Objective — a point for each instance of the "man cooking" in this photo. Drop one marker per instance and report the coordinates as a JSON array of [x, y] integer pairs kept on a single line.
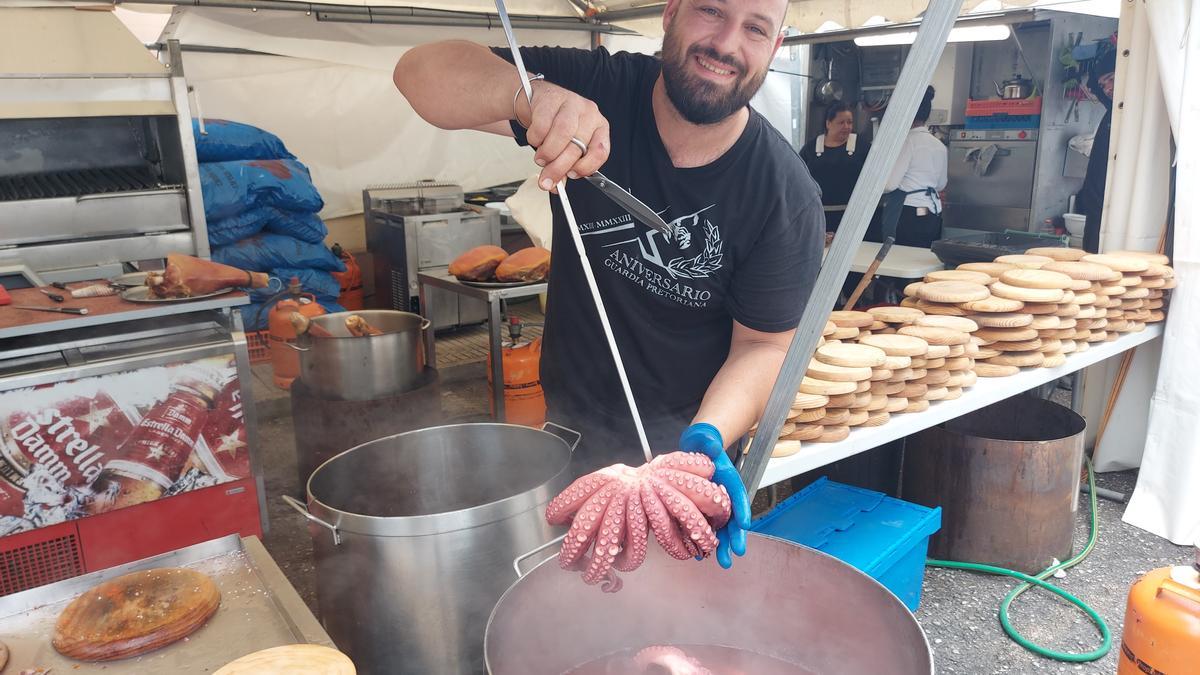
[[703, 317]]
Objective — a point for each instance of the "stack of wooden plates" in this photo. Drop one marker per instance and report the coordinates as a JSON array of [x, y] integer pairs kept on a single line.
[[893, 318], [943, 298], [801, 424], [1159, 279], [1050, 301], [960, 362], [845, 373], [1091, 323], [1127, 311], [906, 357], [849, 325]]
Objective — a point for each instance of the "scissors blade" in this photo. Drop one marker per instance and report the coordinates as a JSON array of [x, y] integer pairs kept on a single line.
[[632, 204]]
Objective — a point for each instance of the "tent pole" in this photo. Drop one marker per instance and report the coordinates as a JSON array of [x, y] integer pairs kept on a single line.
[[910, 89]]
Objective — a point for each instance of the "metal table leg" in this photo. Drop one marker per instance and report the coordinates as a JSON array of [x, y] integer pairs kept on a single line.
[[427, 310], [495, 357]]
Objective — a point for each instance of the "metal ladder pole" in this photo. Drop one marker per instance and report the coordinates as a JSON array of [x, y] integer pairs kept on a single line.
[[931, 37]]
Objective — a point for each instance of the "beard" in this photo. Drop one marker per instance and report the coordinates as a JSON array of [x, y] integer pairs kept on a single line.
[[700, 101]]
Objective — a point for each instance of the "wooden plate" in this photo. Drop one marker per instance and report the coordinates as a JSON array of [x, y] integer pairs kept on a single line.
[[1007, 334], [1078, 285], [917, 406], [888, 388], [935, 394], [894, 363], [1087, 297], [959, 323], [993, 305], [1054, 360], [832, 373], [1120, 263], [1153, 283], [1019, 346], [1053, 346], [986, 369], [1020, 359], [1156, 315], [878, 325], [1003, 319], [848, 333], [834, 416], [993, 269], [851, 319], [300, 659], [902, 315], [1003, 290], [849, 401], [878, 418], [783, 448], [952, 291], [969, 378], [1083, 270], [1136, 293], [935, 335], [1146, 255], [959, 363], [902, 375], [912, 391], [960, 275], [863, 386], [881, 375], [1057, 252], [878, 402], [857, 418], [897, 344], [805, 432], [910, 291], [829, 329], [833, 434], [1129, 281], [135, 614], [1036, 279], [807, 416], [811, 385], [896, 404], [1046, 322], [958, 350], [1068, 346], [940, 308], [934, 378], [936, 352], [805, 401], [1067, 311], [1029, 262]]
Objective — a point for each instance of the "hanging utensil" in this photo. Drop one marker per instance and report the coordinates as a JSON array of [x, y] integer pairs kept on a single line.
[[829, 90], [573, 227]]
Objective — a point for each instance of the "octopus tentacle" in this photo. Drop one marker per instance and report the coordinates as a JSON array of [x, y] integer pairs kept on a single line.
[[587, 522], [668, 659], [692, 523], [562, 508], [609, 539], [710, 498], [691, 462], [665, 532], [633, 553]]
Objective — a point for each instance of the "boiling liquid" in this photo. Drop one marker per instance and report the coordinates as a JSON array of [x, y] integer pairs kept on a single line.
[[719, 660]]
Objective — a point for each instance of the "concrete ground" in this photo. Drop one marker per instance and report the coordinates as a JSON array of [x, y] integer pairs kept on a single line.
[[958, 609]]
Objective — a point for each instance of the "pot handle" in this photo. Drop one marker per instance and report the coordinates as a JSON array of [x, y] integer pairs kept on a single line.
[[298, 348], [425, 323], [525, 556], [303, 510], [578, 436]]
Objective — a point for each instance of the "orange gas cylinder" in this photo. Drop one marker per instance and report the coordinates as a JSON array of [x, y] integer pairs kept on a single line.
[[351, 296], [523, 399], [1162, 623], [285, 361]]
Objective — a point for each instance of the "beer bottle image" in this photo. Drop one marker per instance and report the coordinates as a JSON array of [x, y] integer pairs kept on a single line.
[[154, 454]]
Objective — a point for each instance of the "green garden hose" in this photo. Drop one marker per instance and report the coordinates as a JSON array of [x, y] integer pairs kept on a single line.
[[1039, 581]]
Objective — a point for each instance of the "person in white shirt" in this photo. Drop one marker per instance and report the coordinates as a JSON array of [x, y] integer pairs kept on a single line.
[[912, 205]]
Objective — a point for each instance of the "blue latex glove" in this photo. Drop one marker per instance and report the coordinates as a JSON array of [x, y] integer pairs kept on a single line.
[[705, 438]]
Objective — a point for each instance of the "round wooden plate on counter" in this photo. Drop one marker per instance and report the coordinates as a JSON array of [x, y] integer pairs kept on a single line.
[[135, 613], [301, 659]]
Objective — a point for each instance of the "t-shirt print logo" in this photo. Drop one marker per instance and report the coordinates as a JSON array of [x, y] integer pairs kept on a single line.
[[699, 266]]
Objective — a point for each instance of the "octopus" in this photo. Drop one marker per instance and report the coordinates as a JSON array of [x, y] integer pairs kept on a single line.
[[612, 511], [667, 660]]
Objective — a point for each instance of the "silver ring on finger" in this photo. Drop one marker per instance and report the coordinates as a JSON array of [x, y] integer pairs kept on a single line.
[[579, 144]]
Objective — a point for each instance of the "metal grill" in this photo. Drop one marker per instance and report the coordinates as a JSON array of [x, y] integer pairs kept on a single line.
[[40, 563], [76, 183]]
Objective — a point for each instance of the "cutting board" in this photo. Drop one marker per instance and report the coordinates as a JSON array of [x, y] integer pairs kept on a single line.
[[299, 659], [135, 613]]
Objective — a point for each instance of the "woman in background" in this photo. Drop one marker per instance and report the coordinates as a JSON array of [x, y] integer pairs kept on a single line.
[[835, 158], [913, 207]]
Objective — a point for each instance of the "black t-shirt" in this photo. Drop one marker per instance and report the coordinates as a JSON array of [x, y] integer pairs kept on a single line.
[[747, 246]]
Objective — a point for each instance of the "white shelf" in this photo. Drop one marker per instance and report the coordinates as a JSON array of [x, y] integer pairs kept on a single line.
[[987, 390]]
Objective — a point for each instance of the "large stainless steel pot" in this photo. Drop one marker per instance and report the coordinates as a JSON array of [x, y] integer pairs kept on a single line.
[[414, 537], [348, 368], [780, 600]]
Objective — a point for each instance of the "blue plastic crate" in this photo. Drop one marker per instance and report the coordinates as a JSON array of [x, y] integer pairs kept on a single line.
[[883, 537], [1003, 122]]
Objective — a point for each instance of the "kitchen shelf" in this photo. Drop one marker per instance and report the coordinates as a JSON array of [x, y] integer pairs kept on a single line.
[[985, 392]]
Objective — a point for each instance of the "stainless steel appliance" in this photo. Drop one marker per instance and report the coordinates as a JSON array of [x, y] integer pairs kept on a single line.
[[418, 226], [99, 166], [991, 178], [343, 367], [551, 622], [414, 537]]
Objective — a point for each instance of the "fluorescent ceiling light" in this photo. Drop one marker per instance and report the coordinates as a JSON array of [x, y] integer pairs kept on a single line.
[[982, 33]]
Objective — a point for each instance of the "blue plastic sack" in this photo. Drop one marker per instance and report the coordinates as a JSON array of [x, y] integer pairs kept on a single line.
[[303, 226], [317, 282], [230, 188], [238, 227], [256, 314], [225, 141], [268, 251]]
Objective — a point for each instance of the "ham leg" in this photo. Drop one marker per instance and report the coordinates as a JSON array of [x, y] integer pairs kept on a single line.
[[187, 276]]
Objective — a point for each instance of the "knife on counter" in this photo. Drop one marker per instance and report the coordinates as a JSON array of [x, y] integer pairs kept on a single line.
[[60, 310]]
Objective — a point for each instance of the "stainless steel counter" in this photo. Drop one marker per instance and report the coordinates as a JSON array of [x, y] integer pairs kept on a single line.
[[259, 609]]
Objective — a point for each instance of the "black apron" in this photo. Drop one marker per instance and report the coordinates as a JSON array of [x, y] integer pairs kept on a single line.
[[893, 208]]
